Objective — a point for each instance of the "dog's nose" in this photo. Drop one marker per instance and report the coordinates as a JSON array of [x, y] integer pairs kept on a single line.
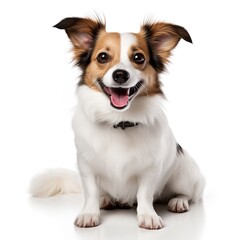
[[120, 76]]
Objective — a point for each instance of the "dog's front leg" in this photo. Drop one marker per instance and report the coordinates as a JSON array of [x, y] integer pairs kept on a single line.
[[90, 214], [147, 216]]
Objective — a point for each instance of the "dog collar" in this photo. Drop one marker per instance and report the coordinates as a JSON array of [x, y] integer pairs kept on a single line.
[[125, 124]]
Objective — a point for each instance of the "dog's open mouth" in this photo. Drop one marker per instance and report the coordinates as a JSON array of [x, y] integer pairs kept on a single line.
[[120, 97]]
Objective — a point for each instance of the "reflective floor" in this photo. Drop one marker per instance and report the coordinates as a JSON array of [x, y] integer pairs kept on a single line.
[[115, 224], [52, 218]]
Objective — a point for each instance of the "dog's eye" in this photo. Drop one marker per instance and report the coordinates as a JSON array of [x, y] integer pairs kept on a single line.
[[138, 58], [103, 57]]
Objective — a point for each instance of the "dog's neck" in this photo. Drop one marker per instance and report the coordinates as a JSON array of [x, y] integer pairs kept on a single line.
[[125, 124]]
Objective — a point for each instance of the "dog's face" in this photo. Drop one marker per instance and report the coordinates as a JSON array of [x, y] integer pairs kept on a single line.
[[122, 66]]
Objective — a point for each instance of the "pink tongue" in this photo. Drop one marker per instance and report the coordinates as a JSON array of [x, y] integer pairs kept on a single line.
[[119, 100]]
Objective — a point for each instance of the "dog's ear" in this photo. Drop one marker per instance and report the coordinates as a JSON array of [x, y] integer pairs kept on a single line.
[[81, 31], [163, 37]]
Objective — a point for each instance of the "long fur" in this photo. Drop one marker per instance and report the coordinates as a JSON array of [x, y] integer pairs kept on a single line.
[[55, 182]]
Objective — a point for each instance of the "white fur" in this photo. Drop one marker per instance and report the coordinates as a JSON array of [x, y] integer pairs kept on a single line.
[[127, 40], [55, 182]]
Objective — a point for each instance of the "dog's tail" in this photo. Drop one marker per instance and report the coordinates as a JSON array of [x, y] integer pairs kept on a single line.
[[55, 182]]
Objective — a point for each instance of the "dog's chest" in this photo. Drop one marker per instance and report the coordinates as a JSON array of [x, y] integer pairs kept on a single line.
[[121, 157], [117, 171], [118, 157], [118, 149]]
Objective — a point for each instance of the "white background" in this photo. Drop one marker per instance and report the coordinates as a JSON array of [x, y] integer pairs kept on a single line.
[[37, 98]]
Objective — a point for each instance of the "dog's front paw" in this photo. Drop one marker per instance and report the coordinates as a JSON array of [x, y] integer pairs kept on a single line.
[[178, 205], [150, 221], [87, 220]]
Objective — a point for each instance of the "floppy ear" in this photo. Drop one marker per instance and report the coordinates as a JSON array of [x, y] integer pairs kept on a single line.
[[163, 37], [82, 33]]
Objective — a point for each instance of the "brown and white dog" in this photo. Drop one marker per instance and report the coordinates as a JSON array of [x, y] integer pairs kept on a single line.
[[126, 150]]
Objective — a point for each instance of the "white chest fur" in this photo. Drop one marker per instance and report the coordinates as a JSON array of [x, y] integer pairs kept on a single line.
[[118, 157]]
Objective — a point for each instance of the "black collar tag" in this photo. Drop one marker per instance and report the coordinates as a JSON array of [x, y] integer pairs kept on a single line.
[[125, 124]]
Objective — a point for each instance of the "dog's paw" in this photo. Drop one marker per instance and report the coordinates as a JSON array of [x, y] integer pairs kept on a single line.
[[150, 221], [87, 220], [178, 205]]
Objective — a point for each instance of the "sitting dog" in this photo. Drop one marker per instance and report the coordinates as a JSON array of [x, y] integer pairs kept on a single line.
[[126, 151]]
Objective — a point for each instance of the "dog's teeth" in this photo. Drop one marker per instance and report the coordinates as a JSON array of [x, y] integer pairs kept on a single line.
[[128, 91]]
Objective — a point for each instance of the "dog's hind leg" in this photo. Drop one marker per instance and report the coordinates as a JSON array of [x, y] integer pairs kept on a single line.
[[178, 204], [186, 183]]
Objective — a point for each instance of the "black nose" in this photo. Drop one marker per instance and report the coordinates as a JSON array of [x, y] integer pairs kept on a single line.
[[120, 76]]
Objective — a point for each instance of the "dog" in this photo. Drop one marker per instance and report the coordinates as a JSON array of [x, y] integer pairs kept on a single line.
[[126, 152]]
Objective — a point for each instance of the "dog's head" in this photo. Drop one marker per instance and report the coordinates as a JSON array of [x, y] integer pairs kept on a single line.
[[122, 66]]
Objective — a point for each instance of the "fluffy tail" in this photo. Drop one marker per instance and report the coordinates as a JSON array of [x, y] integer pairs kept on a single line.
[[55, 182]]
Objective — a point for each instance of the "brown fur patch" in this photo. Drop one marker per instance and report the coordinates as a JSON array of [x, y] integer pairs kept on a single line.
[[82, 33], [163, 37], [153, 86], [106, 42]]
